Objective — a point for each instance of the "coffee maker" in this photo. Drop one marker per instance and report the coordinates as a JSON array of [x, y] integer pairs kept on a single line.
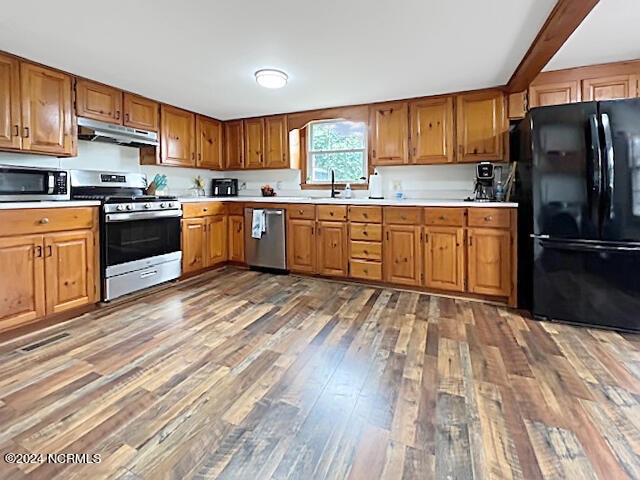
[[485, 176]]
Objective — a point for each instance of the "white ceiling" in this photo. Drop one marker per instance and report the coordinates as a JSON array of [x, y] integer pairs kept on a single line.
[[610, 33], [201, 54]]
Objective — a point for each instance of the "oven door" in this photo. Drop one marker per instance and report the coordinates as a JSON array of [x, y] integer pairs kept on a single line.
[[134, 239]]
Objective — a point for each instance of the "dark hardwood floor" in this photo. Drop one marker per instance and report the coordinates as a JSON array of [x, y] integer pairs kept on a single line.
[[244, 375]]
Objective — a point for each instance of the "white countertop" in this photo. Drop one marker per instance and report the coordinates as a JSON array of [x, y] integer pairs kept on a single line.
[[49, 204], [408, 202]]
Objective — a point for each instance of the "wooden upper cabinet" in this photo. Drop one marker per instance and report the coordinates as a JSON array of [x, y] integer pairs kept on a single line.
[[558, 93], [481, 126], [609, 88], [254, 143], [140, 112], [209, 143], [431, 130], [99, 102], [444, 259], [389, 133], [276, 142], [489, 261], [47, 112], [518, 105], [10, 120], [234, 145], [177, 137]]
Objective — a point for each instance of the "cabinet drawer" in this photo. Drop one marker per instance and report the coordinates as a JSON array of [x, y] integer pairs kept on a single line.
[[489, 217], [366, 270], [235, 208], [365, 214], [42, 220], [302, 211], [403, 215], [332, 212], [202, 209], [366, 231], [449, 217], [366, 250]]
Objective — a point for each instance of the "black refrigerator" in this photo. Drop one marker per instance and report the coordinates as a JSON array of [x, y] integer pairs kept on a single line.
[[578, 188]]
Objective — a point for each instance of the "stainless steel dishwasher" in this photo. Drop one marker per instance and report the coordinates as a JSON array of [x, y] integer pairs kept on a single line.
[[270, 250]]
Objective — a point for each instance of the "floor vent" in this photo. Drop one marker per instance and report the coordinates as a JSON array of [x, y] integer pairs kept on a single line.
[[45, 342]]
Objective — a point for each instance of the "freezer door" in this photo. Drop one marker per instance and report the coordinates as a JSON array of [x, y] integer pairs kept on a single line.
[[566, 174], [620, 120], [587, 283]]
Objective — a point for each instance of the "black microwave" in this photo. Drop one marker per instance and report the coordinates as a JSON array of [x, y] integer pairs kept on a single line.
[[224, 187], [28, 184]]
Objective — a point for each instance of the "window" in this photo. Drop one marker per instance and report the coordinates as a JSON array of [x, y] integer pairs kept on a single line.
[[337, 145]]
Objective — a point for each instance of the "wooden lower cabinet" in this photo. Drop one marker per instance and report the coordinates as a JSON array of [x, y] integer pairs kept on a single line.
[[193, 244], [216, 240], [402, 254], [489, 268], [444, 258], [301, 245], [236, 238], [332, 248]]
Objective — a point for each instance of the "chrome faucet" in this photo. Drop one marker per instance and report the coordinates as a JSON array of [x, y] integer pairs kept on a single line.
[[334, 192]]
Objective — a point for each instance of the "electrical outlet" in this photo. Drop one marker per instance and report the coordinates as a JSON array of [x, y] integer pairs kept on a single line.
[[279, 185], [243, 186]]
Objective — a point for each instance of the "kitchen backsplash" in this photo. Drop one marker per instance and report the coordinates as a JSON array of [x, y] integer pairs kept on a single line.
[[426, 181]]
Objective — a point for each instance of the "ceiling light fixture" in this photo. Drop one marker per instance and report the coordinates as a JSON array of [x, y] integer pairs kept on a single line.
[[271, 78]]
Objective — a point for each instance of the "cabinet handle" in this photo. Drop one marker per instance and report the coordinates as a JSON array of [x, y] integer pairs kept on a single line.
[[26, 132], [205, 209], [284, 157], [365, 215], [374, 153], [414, 151], [38, 249], [49, 251], [366, 271], [387, 236], [193, 156], [117, 114], [199, 156], [44, 221], [403, 217], [331, 213], [300, 212], [17, 130], [312, 229], [442, 217], [488, 218], [365, 233], [126, 117], [470, 240], [366, 252], [318, 231], [239, 228]]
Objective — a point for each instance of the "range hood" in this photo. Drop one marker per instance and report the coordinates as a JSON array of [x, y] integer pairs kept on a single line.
[[95, 131]]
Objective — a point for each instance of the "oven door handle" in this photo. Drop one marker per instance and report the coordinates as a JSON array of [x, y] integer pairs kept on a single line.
[[128, 217]]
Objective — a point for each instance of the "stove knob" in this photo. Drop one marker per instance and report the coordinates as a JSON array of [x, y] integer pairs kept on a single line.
[[147, 205], [163, 205], [129, 207], [120, 208]]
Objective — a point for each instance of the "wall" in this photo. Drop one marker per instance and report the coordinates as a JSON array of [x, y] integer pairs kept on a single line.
[[427, 181]]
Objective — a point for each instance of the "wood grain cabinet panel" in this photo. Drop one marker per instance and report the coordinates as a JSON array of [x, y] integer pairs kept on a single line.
[[193, 244], [481, 126], [332, 213], [69, 268], [47, 114], [557, 93], [234, 145], [216, 240], [98, 101], [444, 259], [332, 248], [301, 245], [209, 143], [365, 270], [445, 216], [490, 217], [389, 133], [402, 254], [10, 121], [236, 238], [22, 281], [431, 130], [305, 211], [609, 88], [254, 143], [366, 231], [177, 137], [365, 214], [489, 266], [140, 112], [276, 142]]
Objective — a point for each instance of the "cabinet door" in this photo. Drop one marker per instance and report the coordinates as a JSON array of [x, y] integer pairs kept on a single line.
[[608, 88], [209, 144], [253, 143], [276, 142], [517, 105], [193, 244], [234, 145], [216, 228], [402, 254], [22, 289], [444, 259], [389, 125], [69, 270], [553, 94], [99, 102], [46, 110], [481, 126], [489, 261], [10, 103], [177, 137], [301, 245], [332, 248], [431, 130], [140, 112], [236, 238]]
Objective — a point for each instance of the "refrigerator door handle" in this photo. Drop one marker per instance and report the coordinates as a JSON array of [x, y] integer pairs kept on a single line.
[[609, 165], [587, 248], [596, 151]]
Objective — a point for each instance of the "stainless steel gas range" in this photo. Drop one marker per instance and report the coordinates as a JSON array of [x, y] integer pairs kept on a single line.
[[139, 234]]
